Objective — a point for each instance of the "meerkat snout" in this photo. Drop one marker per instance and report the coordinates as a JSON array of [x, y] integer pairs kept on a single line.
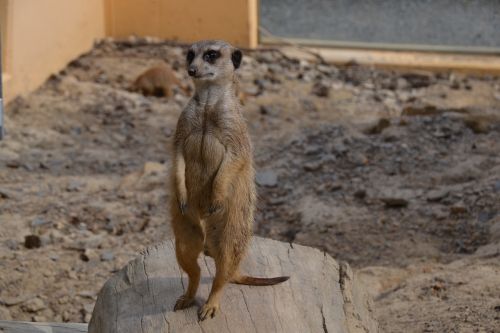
[[212, 60]]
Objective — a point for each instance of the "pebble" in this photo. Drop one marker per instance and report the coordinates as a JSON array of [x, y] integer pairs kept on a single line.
[[5, 314], [37, 222], [107, 256], [377, 127], [437, 195], [320, 89], [12, 244], [34, 305], [32, 242], [267, 178]]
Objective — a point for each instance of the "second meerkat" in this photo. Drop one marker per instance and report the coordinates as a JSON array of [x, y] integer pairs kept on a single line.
[[213, 176]]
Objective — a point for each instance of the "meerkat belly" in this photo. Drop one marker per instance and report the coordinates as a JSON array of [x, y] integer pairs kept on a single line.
[[203, 155]]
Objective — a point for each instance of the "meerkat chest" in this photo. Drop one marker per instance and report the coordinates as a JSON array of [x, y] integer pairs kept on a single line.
[[205, 142]]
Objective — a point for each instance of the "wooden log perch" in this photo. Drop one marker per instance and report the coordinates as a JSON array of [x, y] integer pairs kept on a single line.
[[321, 295]]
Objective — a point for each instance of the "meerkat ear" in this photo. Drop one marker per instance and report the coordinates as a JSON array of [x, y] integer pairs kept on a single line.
[[236, 58]]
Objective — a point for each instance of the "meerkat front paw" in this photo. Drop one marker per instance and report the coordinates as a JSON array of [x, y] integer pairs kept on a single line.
[[183, 302], [208, 311]]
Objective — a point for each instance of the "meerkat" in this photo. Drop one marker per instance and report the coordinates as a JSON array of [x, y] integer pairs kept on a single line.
[[213, 176], [158, 81]]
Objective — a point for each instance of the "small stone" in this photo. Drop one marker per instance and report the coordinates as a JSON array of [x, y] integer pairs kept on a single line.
[[485, 216], [4, 194], [107, 256], [394, 202], [378, 127], [5, 314], [477, 125], [496, 186], [88, 255], [74, 186], [32, 242], [269, 110], [266, 178], [12, 244], [458, 208], [312, 166], [358, 159], [15, 300], [360, 194], [37, 222], [396, 198], [437, 195], [320, 89], [34, 305]]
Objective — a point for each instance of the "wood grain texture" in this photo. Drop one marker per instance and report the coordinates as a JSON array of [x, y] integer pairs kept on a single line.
[[27, 327], [321, 295]]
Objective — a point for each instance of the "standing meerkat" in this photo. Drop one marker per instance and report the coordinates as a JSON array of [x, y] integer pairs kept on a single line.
[[213, 176]]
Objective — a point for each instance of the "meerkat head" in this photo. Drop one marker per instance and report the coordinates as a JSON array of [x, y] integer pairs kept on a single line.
[[212, 61]]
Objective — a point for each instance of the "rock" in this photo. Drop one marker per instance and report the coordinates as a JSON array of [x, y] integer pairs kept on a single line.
[[39, 221], [107, 256], [377, 127], [74, 186], [34, 305], [5, 314], [360, 194], [420, 109], [477, 125], [495, 230], [395, 198], [141, 296], [87, 242], [496, 186], [267, 178], [320, 89], [416, 80], [89, 255], [12, 244], [32, 242], [11, 301], [270, 110], [437, 195], [313, 166], [458, 209]]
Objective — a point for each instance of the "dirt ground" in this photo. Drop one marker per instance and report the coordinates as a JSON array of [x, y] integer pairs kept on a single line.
[[397, 173]]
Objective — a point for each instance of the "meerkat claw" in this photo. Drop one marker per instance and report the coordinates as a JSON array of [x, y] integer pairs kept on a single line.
[[183, 207], [207, 311], [183, 302], [214, 208]]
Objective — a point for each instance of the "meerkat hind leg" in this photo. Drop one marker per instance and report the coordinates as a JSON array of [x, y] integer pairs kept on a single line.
[[222, 276], [188, 246]]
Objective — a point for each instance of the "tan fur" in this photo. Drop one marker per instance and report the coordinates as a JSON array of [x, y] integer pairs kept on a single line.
[[158, 81], [213, 179]]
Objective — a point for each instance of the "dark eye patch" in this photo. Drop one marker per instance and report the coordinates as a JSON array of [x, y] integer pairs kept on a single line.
[[210, 56], [190, 56]]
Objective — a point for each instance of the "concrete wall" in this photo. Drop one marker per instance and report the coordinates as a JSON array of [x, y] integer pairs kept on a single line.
[[43, 35], [187, 21]]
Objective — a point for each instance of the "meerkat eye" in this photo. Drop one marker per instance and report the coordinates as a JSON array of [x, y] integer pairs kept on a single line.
[[211, 55], [190, 56]]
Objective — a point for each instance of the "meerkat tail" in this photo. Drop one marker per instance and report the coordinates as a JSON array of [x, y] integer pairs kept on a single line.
[[258, 281]]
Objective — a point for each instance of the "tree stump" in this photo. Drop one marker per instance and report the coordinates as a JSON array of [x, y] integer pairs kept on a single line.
[[321, 295]]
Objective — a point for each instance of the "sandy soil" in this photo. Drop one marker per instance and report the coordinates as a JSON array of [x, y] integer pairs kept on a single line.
[[396, 173]]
